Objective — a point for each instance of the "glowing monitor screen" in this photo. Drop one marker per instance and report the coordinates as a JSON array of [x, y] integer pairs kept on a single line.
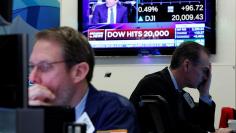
[[152, 27]]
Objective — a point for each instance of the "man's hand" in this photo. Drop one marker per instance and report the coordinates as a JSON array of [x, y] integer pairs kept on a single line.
[[204, 87], [40, 95]]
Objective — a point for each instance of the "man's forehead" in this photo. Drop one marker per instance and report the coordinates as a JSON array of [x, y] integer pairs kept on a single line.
[[204, 61], [204, 57], [45, 50]]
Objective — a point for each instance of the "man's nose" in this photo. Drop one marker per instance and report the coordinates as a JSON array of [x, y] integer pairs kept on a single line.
[[34, 76]]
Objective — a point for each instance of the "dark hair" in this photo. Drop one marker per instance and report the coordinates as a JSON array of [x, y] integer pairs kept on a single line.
[[187, 50], [75, 46]]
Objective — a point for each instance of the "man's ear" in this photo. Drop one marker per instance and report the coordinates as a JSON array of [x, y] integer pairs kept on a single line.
[[79, 72], [186, 65]]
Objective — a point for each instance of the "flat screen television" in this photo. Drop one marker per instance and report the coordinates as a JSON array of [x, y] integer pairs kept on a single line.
[[153, 27], [6, 11], [13, 71]]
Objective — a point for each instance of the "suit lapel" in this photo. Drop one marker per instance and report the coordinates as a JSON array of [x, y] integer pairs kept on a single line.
[[117, 11], [169, 85], [91, 103], [104, 14]]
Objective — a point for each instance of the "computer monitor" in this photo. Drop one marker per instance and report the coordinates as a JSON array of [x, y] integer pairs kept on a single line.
[[5, 11], [153, 27], [13, 71], [154, 115]]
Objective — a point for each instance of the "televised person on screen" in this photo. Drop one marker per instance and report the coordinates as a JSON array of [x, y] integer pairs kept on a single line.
[[189, 67], [111, 12], [62, 63]]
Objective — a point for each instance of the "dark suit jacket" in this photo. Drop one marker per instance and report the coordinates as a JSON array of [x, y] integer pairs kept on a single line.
[[110, 111], [100, 14], [199, 119]]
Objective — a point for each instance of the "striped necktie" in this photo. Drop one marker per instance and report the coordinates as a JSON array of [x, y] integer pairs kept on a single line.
[[112, 16]]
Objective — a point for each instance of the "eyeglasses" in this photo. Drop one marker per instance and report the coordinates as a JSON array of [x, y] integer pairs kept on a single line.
[[44, 66]]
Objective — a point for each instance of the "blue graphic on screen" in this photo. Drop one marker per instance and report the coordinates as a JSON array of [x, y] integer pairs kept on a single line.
[[40, 14]]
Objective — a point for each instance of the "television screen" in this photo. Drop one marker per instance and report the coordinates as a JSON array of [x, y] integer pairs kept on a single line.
[[5, 11], [13, 70], [146, 27]]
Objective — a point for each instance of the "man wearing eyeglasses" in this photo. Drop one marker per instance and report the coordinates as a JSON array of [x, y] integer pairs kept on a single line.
[[61, 64], [189, 67]]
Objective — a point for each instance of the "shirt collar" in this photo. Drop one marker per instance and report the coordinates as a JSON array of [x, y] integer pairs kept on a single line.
[[173, 80], [113, 7], [79, 109]]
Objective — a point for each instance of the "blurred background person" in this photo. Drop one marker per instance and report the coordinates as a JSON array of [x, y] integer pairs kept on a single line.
[[190, 67]]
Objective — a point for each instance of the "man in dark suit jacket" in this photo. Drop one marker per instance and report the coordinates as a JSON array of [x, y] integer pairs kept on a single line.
[[109, 110], [190, 67], [102, 13], [62, 77]]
